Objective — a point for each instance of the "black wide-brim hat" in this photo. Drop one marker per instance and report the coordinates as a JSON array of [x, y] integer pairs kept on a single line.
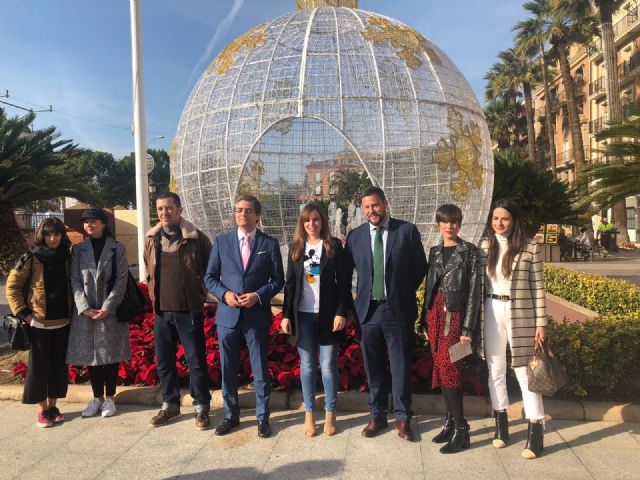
[[95, 213]]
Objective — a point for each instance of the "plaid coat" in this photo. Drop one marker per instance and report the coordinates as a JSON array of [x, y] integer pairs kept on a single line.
[[97, 342], [528, 305]]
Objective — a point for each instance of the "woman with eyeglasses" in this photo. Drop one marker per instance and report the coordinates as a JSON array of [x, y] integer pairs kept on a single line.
[[317, 296]]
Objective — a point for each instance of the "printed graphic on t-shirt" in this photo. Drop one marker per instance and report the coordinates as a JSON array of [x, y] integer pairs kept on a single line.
[[312, 266]]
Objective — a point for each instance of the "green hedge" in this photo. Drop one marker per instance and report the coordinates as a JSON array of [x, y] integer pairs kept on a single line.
[[601, 355], [595, 292]]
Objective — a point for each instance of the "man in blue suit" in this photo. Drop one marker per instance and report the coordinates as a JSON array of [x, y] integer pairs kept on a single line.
[[244, 273], [390, 262]]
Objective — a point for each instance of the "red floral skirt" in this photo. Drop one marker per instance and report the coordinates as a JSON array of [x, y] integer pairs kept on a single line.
[[444, 372]]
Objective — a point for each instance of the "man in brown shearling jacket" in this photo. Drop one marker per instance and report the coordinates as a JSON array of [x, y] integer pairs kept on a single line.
[[176, 255]]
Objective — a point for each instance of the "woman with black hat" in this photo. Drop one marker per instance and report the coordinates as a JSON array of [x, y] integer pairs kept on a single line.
[[97, 339]]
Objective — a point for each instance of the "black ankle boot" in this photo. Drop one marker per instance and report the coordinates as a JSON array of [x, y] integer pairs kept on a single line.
[[447, 430], [501, 437], [459, 441], [535, 440]]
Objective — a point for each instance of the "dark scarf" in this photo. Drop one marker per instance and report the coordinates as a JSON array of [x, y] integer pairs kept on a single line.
[[55, 282]]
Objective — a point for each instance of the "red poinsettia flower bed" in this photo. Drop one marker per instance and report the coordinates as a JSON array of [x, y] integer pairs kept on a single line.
[[284, 362]]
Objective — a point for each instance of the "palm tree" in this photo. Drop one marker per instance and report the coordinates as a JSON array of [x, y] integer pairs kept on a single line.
[[349, 183], [516, 70], [505, 124], [31, 169], [614, 106], [543, 197], [530, 42], [563, 24], [610, 183]]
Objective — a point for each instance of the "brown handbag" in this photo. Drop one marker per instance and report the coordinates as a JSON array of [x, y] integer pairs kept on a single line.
[[545, 372]]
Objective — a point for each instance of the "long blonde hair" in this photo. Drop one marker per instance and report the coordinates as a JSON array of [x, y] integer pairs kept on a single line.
[[300, 234]]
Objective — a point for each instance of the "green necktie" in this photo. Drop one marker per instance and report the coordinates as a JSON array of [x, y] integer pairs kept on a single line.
[[378, 266]]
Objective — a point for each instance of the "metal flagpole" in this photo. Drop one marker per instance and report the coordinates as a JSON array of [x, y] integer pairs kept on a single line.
[[140, 135]]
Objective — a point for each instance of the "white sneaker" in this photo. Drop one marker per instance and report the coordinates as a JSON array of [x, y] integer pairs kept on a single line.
[[108, 407], [93, 407]]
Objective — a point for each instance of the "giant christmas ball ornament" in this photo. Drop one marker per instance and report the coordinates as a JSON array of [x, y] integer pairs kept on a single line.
[[303, 106]]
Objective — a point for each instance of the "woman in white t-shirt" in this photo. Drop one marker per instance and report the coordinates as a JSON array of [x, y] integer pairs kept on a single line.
[[317, 295]]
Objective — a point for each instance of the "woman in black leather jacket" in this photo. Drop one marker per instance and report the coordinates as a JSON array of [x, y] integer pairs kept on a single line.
[[452, 305]]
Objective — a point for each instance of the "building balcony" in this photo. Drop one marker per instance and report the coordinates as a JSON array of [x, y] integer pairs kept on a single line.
[[597, 125], [628, 69], [597, 87], [625, 23]]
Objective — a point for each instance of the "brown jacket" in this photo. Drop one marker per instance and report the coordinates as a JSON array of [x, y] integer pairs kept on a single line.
[[28, 277], [528, 304], [193, 251]]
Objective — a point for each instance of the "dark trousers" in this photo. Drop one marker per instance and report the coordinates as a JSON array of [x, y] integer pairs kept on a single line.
[[383, 333], [230, 343], [104, 377], [47, 375], [169, 328]]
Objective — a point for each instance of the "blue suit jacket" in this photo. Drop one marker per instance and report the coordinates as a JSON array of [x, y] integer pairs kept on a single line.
[[405, 268], [264, 275]]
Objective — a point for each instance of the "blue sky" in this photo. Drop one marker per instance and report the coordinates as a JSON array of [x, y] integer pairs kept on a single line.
[[76, 54]]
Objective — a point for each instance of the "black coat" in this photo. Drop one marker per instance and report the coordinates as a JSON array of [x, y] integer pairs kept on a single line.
[[335, 294], [460, 280]]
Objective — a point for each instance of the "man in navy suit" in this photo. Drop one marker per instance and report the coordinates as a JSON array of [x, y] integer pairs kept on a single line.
[[244, 273], [390, 262]]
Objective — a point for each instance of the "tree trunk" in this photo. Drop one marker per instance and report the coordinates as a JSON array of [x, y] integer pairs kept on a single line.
[[614, 106], [531, 130], [572, 110], [12, 242], [547, 110]]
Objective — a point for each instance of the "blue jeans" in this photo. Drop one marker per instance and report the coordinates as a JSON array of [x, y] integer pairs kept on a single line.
[[308, 350], [169, 328]]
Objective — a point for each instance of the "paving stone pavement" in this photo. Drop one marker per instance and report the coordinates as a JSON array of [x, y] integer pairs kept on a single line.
[[125, 447]]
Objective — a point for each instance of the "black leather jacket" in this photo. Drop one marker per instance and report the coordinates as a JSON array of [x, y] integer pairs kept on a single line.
[[461, 282]]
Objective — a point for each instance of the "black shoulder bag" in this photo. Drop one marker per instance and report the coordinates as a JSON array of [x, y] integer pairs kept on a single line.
[[132, 304]]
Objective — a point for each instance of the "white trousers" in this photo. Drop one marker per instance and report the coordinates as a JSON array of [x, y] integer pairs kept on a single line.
[[497, 333]]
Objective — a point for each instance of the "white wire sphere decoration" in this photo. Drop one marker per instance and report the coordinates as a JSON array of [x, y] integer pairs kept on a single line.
[[290, 102]]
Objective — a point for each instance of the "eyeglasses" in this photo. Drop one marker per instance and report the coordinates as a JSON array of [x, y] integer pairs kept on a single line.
[[248, 211]]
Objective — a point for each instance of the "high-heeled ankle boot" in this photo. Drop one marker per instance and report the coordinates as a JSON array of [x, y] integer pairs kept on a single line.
[[501, 436], [535, 440], [447, 430], [459, 441]]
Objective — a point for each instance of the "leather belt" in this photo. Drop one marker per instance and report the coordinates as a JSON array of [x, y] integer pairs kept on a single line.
[[379, 302], [502, 298]]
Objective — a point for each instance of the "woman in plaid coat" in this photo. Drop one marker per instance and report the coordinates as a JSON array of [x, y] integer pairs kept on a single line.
[[514, 315]]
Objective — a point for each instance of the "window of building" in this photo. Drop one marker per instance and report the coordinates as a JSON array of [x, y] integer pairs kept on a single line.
[[632, 218], [318, 189], [318, 176]]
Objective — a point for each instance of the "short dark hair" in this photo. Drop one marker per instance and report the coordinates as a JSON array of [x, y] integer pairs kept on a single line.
[[174, 196], [449, 213], [49, 226], [257, 206], [373, 190]]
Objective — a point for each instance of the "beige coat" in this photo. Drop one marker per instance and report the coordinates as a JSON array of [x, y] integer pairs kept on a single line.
[[528, 305], [25, 291]]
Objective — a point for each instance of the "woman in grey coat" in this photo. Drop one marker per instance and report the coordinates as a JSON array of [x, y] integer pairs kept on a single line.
[[96, 338]]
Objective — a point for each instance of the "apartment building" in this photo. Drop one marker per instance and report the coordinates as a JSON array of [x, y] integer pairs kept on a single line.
[[587, 69]]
